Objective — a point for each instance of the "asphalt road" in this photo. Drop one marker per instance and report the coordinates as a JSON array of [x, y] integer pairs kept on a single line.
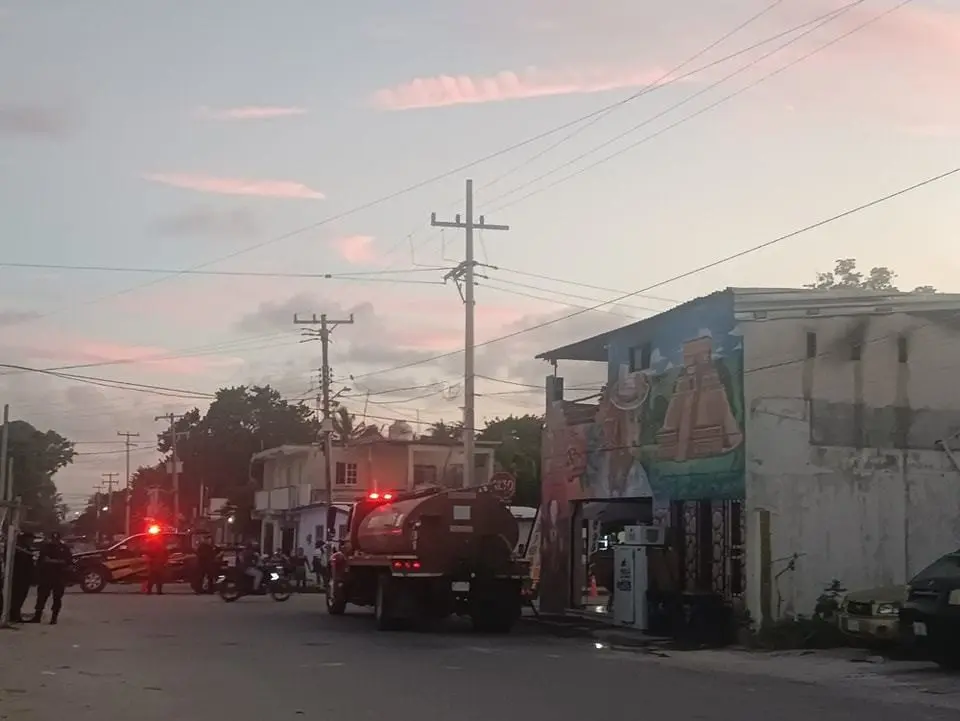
[[120, 655]]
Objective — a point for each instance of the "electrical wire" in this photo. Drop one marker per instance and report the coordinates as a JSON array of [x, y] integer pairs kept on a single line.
[[576, 296], [686, 274]]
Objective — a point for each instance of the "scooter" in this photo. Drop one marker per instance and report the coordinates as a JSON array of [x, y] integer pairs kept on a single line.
[[234, 583]]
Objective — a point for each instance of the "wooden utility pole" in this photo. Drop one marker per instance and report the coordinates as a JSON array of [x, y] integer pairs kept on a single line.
[[326, 327], [172, 419], [127, 435], [465, 273]]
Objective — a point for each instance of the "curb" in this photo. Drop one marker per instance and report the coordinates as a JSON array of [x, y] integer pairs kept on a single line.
[[567, 627]]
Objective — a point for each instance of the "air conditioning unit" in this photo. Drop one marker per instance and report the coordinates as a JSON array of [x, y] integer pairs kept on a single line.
[[645, 535]]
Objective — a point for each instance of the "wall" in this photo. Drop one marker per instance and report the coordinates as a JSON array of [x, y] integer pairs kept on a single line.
[[842, 454], [668, 425]]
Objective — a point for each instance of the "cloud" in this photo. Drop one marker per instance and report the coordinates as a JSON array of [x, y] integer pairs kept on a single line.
[[13, 317], [356, 249], [250, 112], [201, 221], [237, 186], [445, 90], [33, 120]]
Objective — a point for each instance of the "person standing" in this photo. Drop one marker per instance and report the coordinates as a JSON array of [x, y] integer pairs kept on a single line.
[[22, 576], [157, 557], [207, 565], [53, 565], [299, 563]]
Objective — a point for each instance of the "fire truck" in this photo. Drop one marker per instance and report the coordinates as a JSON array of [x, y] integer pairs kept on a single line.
[[428, 554]]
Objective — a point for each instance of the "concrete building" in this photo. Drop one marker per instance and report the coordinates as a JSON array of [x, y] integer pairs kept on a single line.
[[766, 426], [292, 498]]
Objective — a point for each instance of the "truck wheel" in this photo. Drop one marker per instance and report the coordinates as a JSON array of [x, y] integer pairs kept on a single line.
[[93, 580], [383, 605], [336, 599]]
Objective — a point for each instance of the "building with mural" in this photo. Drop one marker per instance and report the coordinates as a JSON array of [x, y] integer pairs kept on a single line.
[[759, 426]]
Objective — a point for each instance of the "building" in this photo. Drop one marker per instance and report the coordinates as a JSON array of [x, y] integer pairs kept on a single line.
[[292, 498], [786, 438]]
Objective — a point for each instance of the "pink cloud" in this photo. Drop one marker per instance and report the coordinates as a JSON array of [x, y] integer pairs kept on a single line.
[[237, 186], [356, 249], [444, 90], [89, 351], [251, 112]]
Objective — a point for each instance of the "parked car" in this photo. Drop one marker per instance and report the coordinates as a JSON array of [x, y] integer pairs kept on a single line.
[[124, 562], [930, 617], [872, 616]]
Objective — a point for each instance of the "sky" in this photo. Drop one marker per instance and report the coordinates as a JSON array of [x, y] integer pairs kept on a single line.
[[259, 144]]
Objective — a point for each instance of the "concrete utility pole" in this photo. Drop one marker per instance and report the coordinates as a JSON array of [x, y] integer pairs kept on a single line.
[[465, 272], [5, 489], [172, 418], [109, 483], [127, 435], [12, 510], [326, 427]]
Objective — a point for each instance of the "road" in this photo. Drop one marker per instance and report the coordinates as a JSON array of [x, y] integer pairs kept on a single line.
[[185, 657]]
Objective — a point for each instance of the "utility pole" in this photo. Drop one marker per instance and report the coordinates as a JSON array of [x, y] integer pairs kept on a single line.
[[465, 272], [172, 418], [109, 483], [5, 485], [127, 435], [326, 327]]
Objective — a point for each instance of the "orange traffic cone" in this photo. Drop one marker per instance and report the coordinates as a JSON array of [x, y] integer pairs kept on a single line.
[[593, 587]]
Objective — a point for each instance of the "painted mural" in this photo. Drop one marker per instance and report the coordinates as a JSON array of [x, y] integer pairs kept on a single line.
[[669, 427]]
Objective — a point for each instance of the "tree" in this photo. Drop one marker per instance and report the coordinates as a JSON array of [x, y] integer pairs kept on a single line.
[[846, 275], [520, 439], [445, 431], [216, 447], [37, 456]]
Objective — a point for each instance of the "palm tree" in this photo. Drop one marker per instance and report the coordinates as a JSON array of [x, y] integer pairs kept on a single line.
[[346, 428], [445, 431]]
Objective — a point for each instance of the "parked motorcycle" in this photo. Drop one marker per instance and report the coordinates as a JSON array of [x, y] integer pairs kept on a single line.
[[233, 583]]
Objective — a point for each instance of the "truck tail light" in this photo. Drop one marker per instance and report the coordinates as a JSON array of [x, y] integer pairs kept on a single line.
[[406, 565]]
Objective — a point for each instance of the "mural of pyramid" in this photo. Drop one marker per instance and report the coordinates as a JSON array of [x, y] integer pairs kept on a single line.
[[699, 422]]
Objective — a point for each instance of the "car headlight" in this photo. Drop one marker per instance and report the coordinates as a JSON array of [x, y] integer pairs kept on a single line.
[[954, 598], [888, 609]]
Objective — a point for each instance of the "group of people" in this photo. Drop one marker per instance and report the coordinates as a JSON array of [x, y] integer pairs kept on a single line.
[[50, 571]]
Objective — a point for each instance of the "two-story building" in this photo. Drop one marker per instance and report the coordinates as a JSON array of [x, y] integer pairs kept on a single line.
[[786, 438], [292, 502]]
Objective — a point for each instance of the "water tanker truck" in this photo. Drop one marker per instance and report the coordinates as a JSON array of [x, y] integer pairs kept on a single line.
[[430, 554]]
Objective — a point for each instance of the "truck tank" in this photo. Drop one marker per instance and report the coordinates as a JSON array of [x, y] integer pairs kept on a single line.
[[443, 530]]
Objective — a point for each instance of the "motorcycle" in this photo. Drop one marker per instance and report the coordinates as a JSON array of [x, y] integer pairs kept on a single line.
[[234, 583]]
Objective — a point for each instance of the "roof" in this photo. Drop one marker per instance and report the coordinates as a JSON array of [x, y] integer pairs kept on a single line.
[[759, 303], [290, 450], [285, 450]]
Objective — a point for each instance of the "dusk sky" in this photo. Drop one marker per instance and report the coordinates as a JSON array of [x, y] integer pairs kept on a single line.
[[238, 135]]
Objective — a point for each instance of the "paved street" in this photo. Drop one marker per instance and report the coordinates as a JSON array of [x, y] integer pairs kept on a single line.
[[122, 655]]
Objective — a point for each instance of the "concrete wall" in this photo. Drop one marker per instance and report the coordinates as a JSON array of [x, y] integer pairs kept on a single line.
[[842, 457]]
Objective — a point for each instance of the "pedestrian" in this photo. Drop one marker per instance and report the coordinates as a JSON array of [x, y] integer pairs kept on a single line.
[[299, 563], [207, 565], [157, 557], [53, 566], [318, 562], [22, 575]]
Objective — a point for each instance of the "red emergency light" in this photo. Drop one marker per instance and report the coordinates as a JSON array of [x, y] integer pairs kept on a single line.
[[153, 530], [376, 496]]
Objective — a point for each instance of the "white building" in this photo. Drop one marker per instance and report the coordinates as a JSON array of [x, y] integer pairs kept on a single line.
[[292, 499]]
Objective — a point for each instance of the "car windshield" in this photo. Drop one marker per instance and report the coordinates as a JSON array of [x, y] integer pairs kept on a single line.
[[947, 567]]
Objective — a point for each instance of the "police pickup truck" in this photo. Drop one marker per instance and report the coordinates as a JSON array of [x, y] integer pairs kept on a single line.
[[125, 562]]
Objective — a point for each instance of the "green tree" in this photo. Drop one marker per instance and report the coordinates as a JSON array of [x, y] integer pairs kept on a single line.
[[846, 275], [520, 440], [216, 447], [37, 456], [445, 431], [346, 428]]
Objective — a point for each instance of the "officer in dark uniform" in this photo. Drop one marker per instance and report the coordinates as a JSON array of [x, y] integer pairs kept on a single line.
[[22, 575], [207, 566], [53, 566], [157, 557]]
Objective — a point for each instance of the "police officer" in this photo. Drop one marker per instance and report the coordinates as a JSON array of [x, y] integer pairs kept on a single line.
[[22, 575], [157, 557], [207, 566], [53, 565]]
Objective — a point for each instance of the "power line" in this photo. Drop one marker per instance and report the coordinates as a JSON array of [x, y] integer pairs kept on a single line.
[[685, 274], [684, 119]]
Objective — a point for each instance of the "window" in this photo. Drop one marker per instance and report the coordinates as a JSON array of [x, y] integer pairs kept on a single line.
[[424, 474], [903, 350], [947, 567], [346, 474], [343, 531], [856, 351], [318, 535], [811, 345], [640, 357]]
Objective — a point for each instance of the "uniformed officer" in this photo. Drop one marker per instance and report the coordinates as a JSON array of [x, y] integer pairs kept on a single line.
[[53, 566], [157, 557]]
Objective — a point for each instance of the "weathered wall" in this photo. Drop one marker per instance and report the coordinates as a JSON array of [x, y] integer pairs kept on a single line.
[[842, 453]]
